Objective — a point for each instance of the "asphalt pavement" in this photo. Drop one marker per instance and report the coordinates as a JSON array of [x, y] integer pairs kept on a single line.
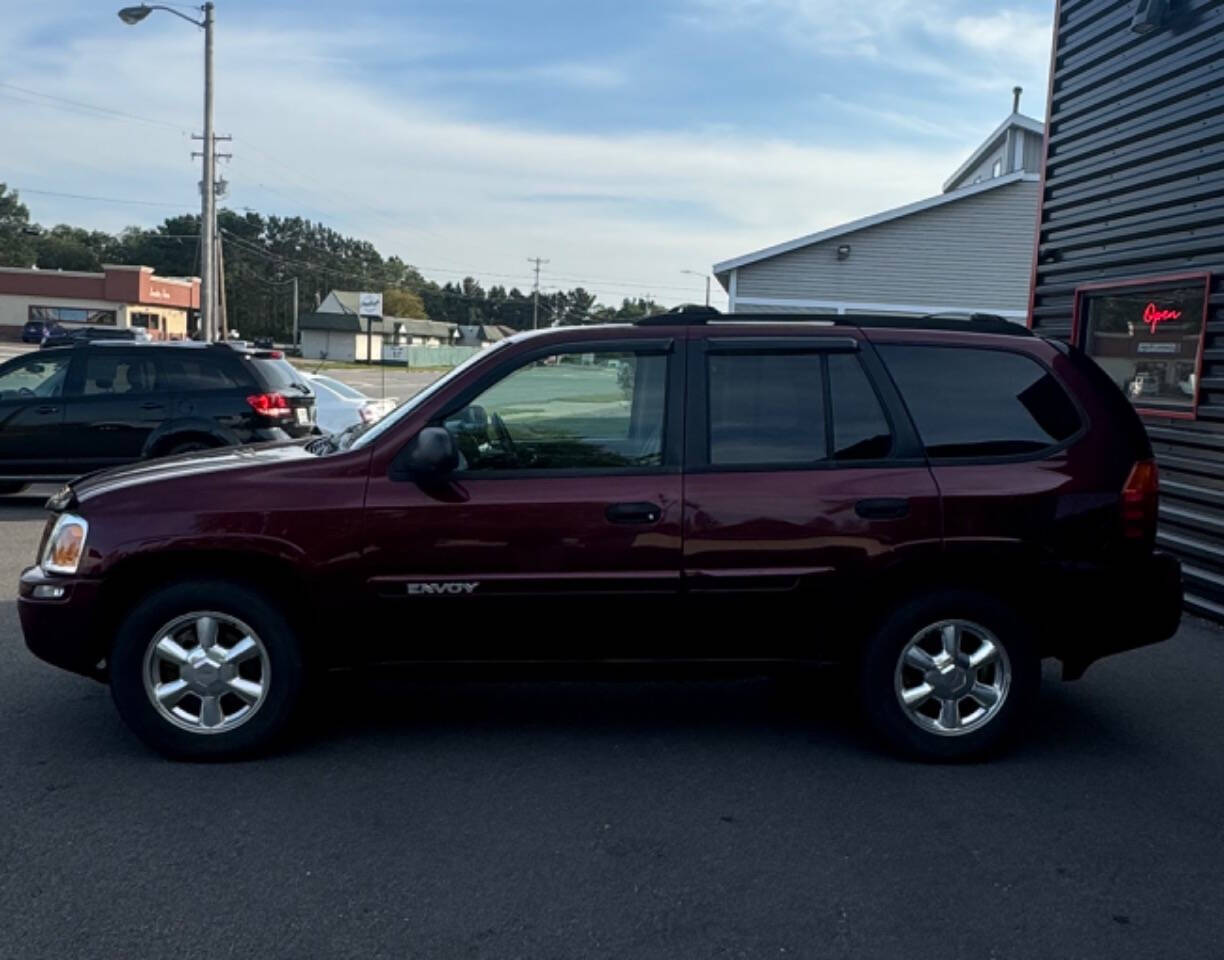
[[746, 818]]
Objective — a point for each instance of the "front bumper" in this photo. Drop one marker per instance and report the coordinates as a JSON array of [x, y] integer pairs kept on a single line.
[[1113, 611], [62, 630]]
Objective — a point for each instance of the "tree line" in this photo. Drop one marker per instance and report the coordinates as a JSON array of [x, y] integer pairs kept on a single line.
[[263, 255]]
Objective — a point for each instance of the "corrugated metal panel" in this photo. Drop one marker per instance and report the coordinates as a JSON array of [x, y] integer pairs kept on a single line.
[[1134, 187], [974, 253]]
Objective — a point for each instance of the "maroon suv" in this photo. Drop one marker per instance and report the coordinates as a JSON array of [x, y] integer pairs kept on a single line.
[[938, 505]]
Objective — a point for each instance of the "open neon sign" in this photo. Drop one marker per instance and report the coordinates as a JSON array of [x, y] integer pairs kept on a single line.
[[1154, 316]]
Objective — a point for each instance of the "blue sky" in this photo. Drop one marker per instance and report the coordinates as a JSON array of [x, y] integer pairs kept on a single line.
[[623, 141]]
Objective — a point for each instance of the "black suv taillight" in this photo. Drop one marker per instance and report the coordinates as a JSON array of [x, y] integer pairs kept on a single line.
[[270, 405], [1140, 499]]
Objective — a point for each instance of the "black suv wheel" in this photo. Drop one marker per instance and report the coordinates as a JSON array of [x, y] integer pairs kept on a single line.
[[206, 670], [949, 676]]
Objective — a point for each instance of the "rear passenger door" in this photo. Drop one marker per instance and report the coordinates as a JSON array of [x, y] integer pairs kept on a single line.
[[803, 480], [209, 389], [116, 399]]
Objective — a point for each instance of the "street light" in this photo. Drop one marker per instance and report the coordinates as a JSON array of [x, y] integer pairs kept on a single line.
[[208, 212], [701, 273]]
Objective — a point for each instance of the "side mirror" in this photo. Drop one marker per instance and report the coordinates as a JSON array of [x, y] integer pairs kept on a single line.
[[430, 455]]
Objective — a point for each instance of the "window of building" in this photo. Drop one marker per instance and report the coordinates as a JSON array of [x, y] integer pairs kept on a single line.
[[113, 373], [1148, 338], [73, 315], [150, 321], [997, 169], [969, 402], [565, 412]]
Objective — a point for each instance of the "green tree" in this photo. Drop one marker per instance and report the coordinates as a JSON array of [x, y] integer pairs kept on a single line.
[[398, 302], [16, 233], [72, 248]]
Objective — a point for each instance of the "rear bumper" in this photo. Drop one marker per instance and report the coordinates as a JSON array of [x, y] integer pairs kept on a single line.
[[62, 630], [1114, 610]]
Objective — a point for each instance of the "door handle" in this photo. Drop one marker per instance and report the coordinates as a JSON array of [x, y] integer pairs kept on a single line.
[[883, 508], [634, 513], [47, 410]]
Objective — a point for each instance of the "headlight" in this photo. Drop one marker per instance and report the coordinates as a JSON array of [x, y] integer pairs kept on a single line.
[[66, 545]]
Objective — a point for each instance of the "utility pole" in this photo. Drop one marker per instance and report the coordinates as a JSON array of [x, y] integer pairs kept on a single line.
[[535, 296], [295, 311], [208, 212], [222, 313]]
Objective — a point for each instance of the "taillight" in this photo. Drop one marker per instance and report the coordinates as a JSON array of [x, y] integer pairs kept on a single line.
[[1139, 501], [270, 404]]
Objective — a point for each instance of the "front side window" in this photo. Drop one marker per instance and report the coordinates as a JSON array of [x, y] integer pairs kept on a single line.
[[569, 411], [969, 402], [34, 377], [1147, 339]]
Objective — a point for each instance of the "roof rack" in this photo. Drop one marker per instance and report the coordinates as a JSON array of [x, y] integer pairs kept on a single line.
[[693, 315]]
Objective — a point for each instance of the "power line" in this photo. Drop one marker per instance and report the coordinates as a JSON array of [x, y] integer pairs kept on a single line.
[[79, 196], [82, 105]]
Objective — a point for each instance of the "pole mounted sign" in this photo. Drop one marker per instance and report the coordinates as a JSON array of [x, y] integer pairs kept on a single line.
[[370, 304]]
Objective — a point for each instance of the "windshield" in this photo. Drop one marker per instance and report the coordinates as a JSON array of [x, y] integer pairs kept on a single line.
[[370, 433], [341, 388]]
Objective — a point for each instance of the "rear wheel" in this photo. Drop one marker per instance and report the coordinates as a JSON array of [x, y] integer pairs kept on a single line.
[[187, 446], [950, 676], [206, 670]]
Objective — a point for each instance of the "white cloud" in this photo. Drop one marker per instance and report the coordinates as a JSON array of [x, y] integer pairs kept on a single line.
[[450, 195], [1015, 35]]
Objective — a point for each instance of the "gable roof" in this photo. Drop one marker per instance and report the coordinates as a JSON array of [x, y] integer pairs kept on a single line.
[[721, 269], [992, 143]]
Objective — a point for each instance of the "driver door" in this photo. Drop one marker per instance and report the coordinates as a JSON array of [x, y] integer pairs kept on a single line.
[[32, 442], [559, 536]]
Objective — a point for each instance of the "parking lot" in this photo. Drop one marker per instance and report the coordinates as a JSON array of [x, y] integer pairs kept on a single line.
[[663, 819]]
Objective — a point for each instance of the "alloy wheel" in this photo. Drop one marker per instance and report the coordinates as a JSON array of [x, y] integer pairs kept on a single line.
[[952, 677], [206, 672]]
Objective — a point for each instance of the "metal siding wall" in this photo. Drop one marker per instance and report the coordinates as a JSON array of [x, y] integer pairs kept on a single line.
[[971, 253], [1134, 187]]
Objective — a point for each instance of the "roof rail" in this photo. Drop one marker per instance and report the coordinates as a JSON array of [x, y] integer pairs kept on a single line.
[[683, 315], [690, 315]]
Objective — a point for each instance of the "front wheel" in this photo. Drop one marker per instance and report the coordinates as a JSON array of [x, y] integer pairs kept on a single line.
[[206, 670], [950, 676]]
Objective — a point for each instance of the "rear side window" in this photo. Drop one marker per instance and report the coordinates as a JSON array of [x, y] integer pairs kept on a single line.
[[198, 373], [970, 402], [766, 408], [279, 375], [113, 374], [860, 429]]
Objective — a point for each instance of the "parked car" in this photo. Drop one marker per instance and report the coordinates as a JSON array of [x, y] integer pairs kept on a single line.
[[340, 406], [937, 506], [65, 411], [57, 335], [33, 331]]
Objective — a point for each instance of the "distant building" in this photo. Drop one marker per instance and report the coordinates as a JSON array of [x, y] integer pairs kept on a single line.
[[968, 248], [336, 331], [119, 296]]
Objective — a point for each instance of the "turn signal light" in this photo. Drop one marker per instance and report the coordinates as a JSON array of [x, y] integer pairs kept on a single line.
[[1140, 498], [270, 404]]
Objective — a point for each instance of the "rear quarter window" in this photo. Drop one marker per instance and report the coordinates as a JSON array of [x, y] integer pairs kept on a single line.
[[973, 402]]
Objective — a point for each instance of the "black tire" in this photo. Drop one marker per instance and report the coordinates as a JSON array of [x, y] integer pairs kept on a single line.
[[267, 724], [188, 446], [7, 489], [878, 677]]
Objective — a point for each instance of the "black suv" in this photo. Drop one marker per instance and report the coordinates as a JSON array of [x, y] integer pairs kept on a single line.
[[66, 411]]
